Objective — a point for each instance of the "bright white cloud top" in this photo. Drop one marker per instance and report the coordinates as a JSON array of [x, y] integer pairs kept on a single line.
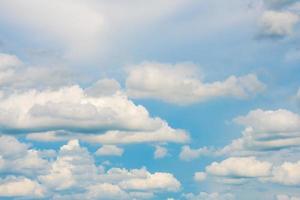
[[180, 84]]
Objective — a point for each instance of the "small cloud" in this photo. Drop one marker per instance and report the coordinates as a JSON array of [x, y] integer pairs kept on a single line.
[[277, 24], [160, 152], [109, 150]]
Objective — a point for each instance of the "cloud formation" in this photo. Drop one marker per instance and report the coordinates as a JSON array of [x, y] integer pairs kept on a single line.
[[180, 84], [74, 170], [276, 24], [109, 150]]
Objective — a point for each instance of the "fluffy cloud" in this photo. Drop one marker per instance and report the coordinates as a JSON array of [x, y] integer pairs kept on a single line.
[[160, 152], [20, 187], [71, 109], [278, 24], [188, 154], [209, 196], [16, 157], [266, 130], [287, 174], [106, 191], [156, 181], [179, 84], [109, 150], [16, 75], [74, 175], [103, 87], [75, 168], [240, 167], [200, 176]]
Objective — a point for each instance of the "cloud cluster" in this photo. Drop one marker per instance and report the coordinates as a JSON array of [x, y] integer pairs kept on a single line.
[[66, 112], [74, 170], [180, 84], [267, 130], [266, 152], [13, 186]]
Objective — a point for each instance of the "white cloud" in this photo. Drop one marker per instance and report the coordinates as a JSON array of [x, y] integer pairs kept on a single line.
[[160, 152], [103, 87], [278, 24], [70, 109], [16, 157], [188, 154], [164, 134], [15, 75], [20, 187], [74, 167], [180, 84], [200, 176], [106, 191], [209, 196], [109, 150], [156, 181], [266, 130], [240, 167], [74, 170], [8, 61], [287, 174], [270, 121]]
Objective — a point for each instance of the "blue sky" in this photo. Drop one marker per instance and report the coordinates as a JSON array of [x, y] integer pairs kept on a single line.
[[171, 100]]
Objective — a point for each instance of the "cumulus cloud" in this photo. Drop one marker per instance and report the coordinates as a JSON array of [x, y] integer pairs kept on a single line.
[[276, 24], [71, 109], [267, 130], [287, 173], [17, 157], [109, 150], [160, 152], [180, 84], [73, 174], [106, 191], [209, 196], [20, 187], [200, 176], [74, 167], [240, 167], [103, 87], [16, 75], [188, 154]]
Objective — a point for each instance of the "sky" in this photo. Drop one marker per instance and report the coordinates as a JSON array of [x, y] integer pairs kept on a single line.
[[163, 100]]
